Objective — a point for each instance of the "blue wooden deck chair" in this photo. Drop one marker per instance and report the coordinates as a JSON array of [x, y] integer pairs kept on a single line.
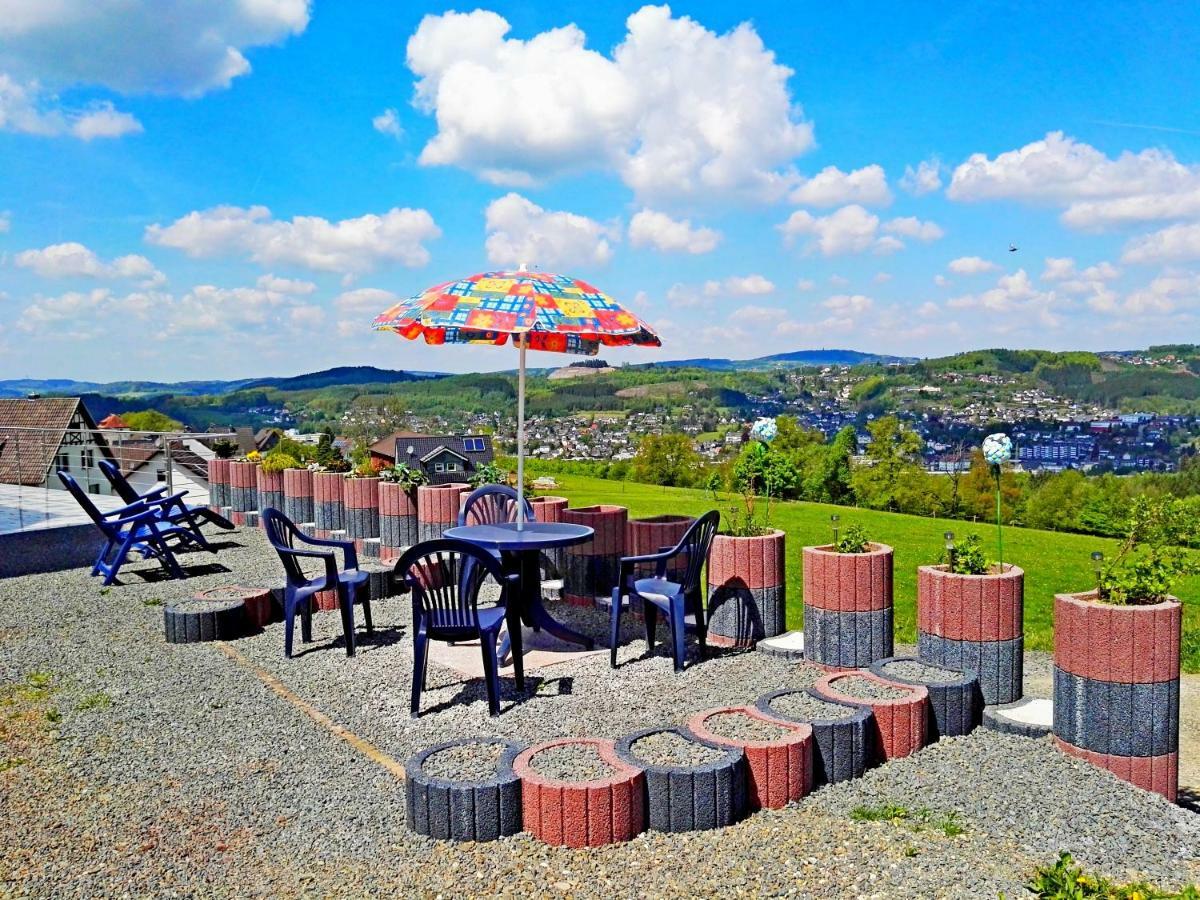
[[445, 577], [173, 508], [677, 600], [351, 584], [136, 527]]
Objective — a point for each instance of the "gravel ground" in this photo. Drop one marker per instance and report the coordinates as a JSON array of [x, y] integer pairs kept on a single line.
[[803, 705], [867, 689], [737, 726], [925, 673], [670, 748], [136, 768], [571, 762], [464, 762]]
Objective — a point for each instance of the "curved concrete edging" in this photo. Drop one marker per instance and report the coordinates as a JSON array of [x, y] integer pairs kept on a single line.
[[464, 810]]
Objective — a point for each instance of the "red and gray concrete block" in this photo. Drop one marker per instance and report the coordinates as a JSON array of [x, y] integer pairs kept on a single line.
[[243, 490], [848, 614], [842, 748], [464, 810], [328, 507], [1116, 687], [955, 703], [900, 723], [298, 495], [397, 519], [593, 568], [974, 623], [219, 495], [582, 814], [747, 589], [655, 533], [360, 509], [437, 508], [270, 490]]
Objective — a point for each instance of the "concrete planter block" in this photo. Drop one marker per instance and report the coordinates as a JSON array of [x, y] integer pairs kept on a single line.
[[397, 518], [218, 484], [270, 490], [593, 568], [842, 747], [585, 813], [382, 582], [847, 606], [974, 623], [243, 489], [649, 535], [437, 508], [550, 509], [196, 619], [360, 507], [746, 589], [464, 810], [1027, 717], [955, 702], [328, 504], [694, 797], [900, 724], [778, 771], [298, 495], [1116, 687], [256, 600]]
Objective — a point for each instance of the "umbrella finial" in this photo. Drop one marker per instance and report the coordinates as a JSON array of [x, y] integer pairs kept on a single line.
[[522, 268]]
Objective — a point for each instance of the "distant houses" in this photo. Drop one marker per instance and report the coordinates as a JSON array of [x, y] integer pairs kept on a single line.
[[443, 458]]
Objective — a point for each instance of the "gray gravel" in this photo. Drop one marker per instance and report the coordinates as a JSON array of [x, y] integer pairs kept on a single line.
[[868, 689], [914, 670], [670, 748], [571, 762], [803, 705], [737, 726], [168, 770], [464, 762]]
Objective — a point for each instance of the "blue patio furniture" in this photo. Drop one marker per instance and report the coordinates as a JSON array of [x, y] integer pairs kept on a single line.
[[137, 527], [173, 508], [491, 505], [445, 577], [351, 584], [676, 600]]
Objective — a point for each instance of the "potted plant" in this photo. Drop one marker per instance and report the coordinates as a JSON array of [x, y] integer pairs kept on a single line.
[[398, 506], [360, 499], [1117, 649], [971, 617], [848, 619], [487, 474], [270, 479], [243, 485]]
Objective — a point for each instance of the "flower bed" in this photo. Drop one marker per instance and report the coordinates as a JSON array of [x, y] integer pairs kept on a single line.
[[848, 615]]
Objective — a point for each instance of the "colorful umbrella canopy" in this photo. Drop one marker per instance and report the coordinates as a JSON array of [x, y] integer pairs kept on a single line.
[[541, 310]]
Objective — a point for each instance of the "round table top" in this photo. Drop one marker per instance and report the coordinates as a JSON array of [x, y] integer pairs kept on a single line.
[[533, 535]]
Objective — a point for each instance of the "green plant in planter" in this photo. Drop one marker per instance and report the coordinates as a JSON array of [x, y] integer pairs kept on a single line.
[[1153, 557], [854, 540], [967, 556], [488, 474], [277, 462], [408, 477], [224, 449]]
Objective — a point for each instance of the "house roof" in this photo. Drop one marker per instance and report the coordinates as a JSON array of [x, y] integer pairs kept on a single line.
[[386, 446], [440, 449], [112, 420], [31, 431], [426, 445]]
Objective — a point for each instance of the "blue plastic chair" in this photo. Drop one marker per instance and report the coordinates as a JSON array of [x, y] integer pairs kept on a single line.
[[350, 583], [137, 527], [677, 600], [492, 504], [173, 509], [445, 577]]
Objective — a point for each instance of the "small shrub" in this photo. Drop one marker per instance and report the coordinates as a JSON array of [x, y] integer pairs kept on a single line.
[[967, 557], [888, 812], [153, 601], [488, 474], [1063, 880], [408, 477], [853, 540], [97, 700], [11, 762], [53, 716], [278, 462], [947, 823], [224, 449], [1153, 557]]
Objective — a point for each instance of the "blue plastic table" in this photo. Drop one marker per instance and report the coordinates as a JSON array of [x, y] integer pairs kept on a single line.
[[522, 550]]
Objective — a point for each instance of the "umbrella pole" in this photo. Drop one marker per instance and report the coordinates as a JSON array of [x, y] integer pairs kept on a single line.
[[521, 433]]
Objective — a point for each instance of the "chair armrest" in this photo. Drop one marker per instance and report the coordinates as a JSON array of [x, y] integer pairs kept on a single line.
[[331, 573], [349, 552], [164, 501], [134, 507], [153, 492], [144, 516]]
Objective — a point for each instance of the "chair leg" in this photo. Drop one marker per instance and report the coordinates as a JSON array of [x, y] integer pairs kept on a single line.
[[420, 657], [487, 641], [104, 551], [365, 593], [122, 552], [306, 620], [515, 640], [289, 622], [614, 628], [650, 620], [678, 631], [346, 606]]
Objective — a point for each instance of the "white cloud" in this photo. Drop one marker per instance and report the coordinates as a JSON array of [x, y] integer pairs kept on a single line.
[[924, 179], [388, 122], [683, 296], [941, 280], [285, 285], [972, 265], [833, 187], [1097, 191], [850, 229], [364, 302], [677, 110], [805, 284], [1172, 244], [882, 277], [74, 260], [1170, 292], [654, 229], [1058, 268], [1016, 298], [5, 221], [520, 231], [912, 227], [839, 280], [23, 109], [350, 245], [848, 305], [758, 315], [928, 310], [740, 286]]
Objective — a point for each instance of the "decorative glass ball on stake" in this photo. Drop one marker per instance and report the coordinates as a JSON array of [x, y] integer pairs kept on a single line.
[[997, 450], [764, 429]]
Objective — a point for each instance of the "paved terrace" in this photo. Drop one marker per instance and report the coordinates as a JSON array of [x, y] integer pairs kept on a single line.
[[131, 766]]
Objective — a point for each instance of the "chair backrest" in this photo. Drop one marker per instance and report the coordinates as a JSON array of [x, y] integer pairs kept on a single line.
[[445, 576], [695, 544], [85, 501], [491, 505], [119, 482], [281, 534]]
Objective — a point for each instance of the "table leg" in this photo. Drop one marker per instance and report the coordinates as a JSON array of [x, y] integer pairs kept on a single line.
[[533, 612]]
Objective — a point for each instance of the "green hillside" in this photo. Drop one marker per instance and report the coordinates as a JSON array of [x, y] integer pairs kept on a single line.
[[1053, 561]]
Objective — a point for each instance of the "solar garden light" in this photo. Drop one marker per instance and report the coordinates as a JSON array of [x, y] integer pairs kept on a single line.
[[1098, 566], [834, 519], [949, 536]]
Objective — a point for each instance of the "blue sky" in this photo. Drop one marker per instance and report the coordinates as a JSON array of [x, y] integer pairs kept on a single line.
[[220, 189]]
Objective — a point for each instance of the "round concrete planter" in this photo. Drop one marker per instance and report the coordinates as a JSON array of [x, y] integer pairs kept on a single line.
[[842, 748], [257, 601], [218, 484], [550, 509], [298, 495], [900, 724], [778, 771], [690, 798], [270, 490], [328, 508], [653, 534], [955, 703], [397, 518], [847, 606], [974, 623], [1116, 687], [197, 619], [243, 489], [585, 813], [464, 810], [437, 508], [593, 567], [746, 589], [360, 502]]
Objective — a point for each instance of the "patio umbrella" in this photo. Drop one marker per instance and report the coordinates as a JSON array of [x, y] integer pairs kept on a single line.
[[539, 310]]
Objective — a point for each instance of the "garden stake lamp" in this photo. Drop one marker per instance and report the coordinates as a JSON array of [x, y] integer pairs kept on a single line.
[[835, 518], [1098, 566], [997, 449], [949, 536]]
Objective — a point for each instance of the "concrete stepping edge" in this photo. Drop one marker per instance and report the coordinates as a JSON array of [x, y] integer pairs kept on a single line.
[[997, 719], [193, 620], [584, 813], [464, 810], [900, 724], [842, 748], [779, 771], [690, 798], [258, 602], [955, 705]]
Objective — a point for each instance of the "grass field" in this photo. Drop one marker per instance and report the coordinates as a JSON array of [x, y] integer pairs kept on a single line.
[[1053, 561]]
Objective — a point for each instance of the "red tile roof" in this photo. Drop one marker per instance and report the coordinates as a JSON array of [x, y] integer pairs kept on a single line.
[[112, 420], [31, 431]]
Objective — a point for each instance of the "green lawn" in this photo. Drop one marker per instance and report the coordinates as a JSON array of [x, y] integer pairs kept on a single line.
[[1053, 561]]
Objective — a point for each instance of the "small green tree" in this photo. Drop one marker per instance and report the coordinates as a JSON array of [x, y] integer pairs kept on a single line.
[[150, 420], [1153, 557]]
